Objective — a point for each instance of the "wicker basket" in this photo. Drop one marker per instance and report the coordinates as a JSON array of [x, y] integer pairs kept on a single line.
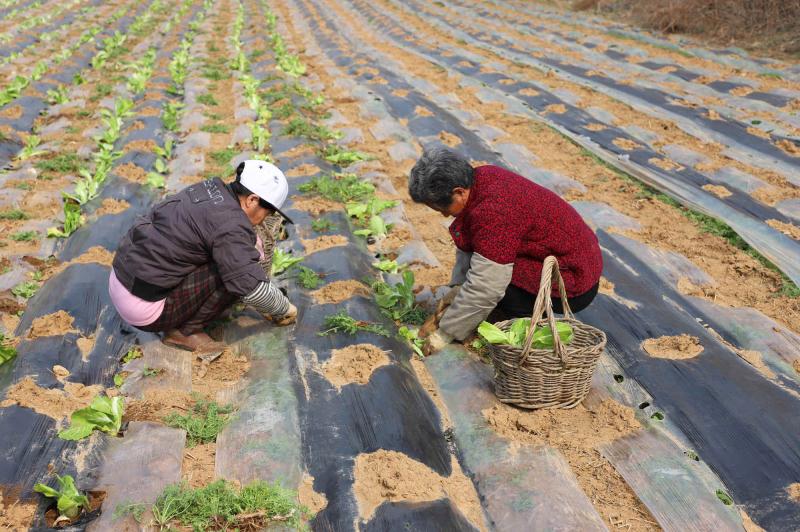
[[545, 378]]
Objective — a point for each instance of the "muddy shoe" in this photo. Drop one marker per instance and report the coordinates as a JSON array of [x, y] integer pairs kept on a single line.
[[197, 342]]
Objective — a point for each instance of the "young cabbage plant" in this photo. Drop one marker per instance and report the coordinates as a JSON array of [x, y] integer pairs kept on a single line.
[[377, 228], [31, 148], [7, 350], [282, 261], [69, 500], [57, 95], [516, 334], [105, 414], [363, 211], [412, 337], [388, 266], [398, 301]]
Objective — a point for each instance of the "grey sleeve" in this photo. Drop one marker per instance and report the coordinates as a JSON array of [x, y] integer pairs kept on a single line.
[[267, 299], [485, 285], [460, 268]]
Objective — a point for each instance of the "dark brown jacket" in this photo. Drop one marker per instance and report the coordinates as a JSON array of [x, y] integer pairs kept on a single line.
[[201, 224]]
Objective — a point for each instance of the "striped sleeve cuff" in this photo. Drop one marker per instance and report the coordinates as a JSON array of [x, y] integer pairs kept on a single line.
[[267, 299]]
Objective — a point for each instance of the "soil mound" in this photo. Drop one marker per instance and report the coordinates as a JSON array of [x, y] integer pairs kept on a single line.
[[673, 347], [52, 402], [55, 324], [339, 291], [112, 206], [324, 242], [392, 476], [353, 364], [158, 404], [198, 465], [222, 373], [14, 514], [308, 497]]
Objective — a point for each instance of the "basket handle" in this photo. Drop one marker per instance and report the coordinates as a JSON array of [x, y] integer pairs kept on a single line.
[[544, 304]]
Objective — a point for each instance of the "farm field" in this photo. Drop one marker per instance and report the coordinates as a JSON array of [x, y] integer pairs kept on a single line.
[[685, 160]]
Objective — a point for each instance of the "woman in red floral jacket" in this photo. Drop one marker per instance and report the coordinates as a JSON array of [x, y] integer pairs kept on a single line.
[[505, 226]]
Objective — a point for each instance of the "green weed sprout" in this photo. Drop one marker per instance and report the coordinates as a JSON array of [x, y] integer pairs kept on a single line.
[[203, 423], [7, 349], [341, 322], [308, 278], [321, 225], [341, 187]]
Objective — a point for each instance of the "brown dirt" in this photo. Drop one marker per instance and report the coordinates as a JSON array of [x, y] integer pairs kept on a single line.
[[324, 242], [577, 433], [794, 491], [422, 111], [339, 291], [198, 464], [718, 190], [755, 359], [224, 372], [788, 229], [156, 404], [309, 498], [556, 108], [16, 515], [85, 345], [55, 402], [789, 147], [12, 113], [449, 139], [665, 164], [55, 324], [131, 172], [626, 144], [60, 372], [748, 524], [314, 205], [673, 347], [303, 170], [112, 206], [353, 364], [595, 127], [392, 476], [429, 384], [146, 146]]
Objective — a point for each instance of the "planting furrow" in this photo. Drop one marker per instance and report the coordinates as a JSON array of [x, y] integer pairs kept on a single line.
[[547, 464], [91, 348], [763, 150], [573, 162], [767, 101], [681, 49], [20, 111], [10, 32], [385, 415], [51, 34], [735, 207], [656, 316]]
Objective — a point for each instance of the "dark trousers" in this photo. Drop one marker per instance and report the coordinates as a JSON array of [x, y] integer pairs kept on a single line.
[[518, 303], [194, 303]]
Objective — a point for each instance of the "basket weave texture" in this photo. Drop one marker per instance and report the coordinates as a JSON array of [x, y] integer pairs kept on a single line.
[[547, 378]]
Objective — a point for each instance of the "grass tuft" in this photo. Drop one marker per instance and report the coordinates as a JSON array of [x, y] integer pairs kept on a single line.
[[203, 423], [220, 506]]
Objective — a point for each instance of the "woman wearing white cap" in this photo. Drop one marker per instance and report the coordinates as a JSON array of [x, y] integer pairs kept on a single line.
[[194, 254]]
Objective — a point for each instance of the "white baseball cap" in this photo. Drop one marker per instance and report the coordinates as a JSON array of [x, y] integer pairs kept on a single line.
[[266, 181]]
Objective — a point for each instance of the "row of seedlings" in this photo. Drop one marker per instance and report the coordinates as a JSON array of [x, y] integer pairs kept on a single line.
[[646, 404], [449, 363], [104, 413]]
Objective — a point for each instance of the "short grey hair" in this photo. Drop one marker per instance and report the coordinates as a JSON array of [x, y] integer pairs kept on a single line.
[[436, 174]]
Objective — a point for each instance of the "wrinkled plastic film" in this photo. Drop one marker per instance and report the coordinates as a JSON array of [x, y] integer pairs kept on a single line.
[[524, 489]]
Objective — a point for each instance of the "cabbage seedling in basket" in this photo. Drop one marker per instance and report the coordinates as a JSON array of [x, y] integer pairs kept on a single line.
[[516, 334]]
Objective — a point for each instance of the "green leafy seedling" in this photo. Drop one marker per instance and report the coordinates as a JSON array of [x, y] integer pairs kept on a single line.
[[339, 187], [282, 261], [321, 225], [24, 236], [515, 336], [152, 372], [388, 266], [308, 278], [119, 378], [398, 301], [69, 500], [132, 354], [691, 455], [724, 497], [658, 416], [105, 414], [412, 337], [26, 289], [135, 510], [7, 350], [14, 214]]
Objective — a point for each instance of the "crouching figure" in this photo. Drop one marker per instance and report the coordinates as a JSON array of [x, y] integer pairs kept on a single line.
[[504, 227], [196, 253]]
